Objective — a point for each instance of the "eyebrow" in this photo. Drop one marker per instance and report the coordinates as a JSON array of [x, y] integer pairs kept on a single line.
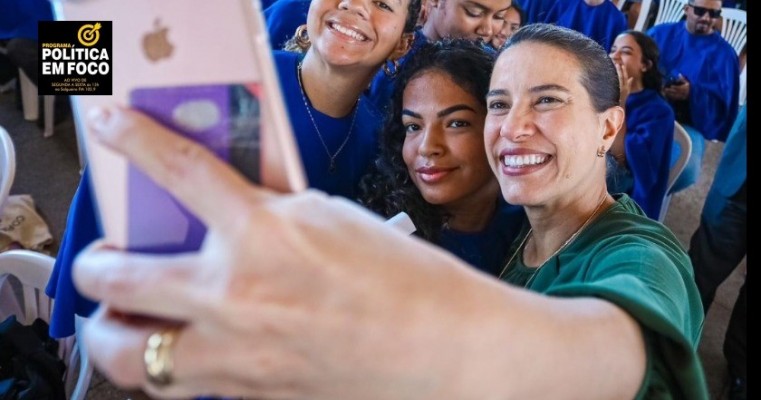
[[442, 113], [455, 108], [483, 7], [535, 89]]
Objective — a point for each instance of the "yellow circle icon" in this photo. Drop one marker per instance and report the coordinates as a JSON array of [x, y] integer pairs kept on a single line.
[[89, 34]]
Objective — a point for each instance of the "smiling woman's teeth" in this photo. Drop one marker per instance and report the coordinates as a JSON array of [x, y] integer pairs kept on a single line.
[[349, 32], [524, 160]]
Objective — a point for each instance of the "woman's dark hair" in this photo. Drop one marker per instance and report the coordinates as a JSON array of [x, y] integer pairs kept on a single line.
[[413, 12], [388, 189], [521, 13], [652, 78], [598, 76]]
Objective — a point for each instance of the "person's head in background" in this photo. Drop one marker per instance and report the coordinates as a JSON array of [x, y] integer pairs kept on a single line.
[[638, 54], [467, 19], [553, 112], [432, 148], [357, 32], [515, 17], [702, 16]]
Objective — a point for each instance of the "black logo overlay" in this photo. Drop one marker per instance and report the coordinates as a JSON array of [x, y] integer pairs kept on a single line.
[[75, 57]]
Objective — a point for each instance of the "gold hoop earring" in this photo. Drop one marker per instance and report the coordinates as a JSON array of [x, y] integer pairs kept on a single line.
[[601, 152], [388, 70], [302, 37]]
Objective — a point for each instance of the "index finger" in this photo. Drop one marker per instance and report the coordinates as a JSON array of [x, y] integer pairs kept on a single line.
[[183, 167]]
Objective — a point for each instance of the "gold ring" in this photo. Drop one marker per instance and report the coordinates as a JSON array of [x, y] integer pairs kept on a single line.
[[158, 356]]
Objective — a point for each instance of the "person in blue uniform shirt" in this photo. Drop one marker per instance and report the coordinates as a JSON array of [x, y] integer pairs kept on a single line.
[[334, 123], [721, 242], [282, 18], [18, 33], [433, 165], [702, 79], [477, 20], [536, 10], [601, 20], [648, 134]]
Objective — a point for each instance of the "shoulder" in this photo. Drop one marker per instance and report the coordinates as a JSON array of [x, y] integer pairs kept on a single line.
[[369, 110], [648, 103], [723, 44], [285, 62], [664, 29]]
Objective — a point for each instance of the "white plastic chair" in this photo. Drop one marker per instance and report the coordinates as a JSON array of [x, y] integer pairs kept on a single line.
[[681, 139], [7, 166], [33, 271], [30, 103], [669, 11], [734, 27], [644, 11]]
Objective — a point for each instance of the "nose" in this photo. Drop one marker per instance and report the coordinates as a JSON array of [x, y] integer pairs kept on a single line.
[[431, 143], [615, 55], [517, 125], [358, 7], [485, 29]]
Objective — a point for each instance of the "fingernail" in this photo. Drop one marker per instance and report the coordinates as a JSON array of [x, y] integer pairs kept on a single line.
[[98, 118]]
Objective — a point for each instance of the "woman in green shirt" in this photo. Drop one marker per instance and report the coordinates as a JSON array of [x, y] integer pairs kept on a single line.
[[307, 296]]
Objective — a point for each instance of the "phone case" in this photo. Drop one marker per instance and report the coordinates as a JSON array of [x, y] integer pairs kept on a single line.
[[226, 119], [202, 68]]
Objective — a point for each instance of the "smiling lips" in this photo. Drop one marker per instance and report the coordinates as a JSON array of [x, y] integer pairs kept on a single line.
[[431, 175], [520, 164], [346, 31]]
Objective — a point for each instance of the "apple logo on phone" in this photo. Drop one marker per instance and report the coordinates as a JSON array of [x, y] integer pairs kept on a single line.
[[156, 43]]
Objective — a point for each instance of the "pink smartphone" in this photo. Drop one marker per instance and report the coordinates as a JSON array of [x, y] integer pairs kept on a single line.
[[204, 69]]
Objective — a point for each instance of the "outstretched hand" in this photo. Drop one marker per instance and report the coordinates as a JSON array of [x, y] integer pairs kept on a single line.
[[290, 295]]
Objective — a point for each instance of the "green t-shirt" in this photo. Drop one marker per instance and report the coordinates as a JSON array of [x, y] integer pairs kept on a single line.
[[639, 265]]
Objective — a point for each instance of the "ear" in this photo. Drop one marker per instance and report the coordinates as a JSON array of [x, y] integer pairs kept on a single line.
[[648, 65], [613, 119], [405, 42]]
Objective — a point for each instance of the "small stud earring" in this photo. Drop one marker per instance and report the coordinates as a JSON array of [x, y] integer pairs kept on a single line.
[[601, 152]]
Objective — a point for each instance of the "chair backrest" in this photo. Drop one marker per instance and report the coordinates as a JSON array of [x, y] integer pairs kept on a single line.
[[734, 27], [684, 143], [7, 166], [669, 11], [33, 270], [644, 13]]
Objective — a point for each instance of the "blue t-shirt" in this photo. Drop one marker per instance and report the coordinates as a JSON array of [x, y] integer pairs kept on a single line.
[[359, 151], [487, 250], [602, 22]]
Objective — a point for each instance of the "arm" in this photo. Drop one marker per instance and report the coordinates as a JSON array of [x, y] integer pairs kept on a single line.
[[277, 309]]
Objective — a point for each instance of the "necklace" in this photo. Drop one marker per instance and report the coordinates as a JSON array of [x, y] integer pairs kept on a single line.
[[562, 246], [332, 157]]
